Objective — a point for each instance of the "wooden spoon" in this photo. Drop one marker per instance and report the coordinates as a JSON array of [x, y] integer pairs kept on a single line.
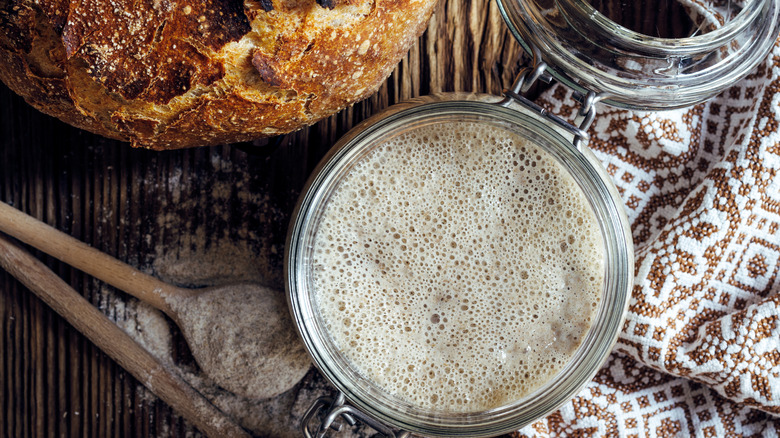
[[241, 335], [117, 344]]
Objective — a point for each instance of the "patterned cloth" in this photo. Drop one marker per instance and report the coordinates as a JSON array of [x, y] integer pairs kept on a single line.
[[699, 354]]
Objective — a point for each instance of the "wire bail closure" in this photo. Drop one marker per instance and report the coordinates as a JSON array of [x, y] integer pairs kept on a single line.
[[335, 408], [527, 77]]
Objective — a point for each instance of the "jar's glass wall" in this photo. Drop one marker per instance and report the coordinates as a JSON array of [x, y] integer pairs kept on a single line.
[[670, 18], [636, 68]]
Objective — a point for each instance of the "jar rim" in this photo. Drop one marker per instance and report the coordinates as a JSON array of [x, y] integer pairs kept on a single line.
[[672, 46], [611, 308]]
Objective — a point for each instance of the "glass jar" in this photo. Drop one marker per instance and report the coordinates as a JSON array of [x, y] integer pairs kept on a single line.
[[591, 53], [365, 396], [571, 41]]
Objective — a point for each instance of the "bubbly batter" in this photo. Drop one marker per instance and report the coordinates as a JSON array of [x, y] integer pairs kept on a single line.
[[458, 266]]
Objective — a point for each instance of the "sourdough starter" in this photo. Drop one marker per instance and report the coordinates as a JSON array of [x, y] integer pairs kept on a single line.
[[458, 267]]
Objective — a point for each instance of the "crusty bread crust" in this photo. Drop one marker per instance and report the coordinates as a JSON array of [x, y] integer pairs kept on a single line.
[[167, 74]]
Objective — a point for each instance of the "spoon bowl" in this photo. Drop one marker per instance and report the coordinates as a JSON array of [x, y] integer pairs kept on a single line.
[[234, 334]]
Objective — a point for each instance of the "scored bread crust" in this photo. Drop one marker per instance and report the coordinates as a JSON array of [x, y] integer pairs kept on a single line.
[[166, 74]]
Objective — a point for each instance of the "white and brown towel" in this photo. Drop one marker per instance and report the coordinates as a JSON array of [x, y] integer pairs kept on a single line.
[[699, 354]]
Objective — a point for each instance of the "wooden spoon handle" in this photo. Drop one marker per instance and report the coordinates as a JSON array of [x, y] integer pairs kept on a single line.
[[87, 259], [117, 344]]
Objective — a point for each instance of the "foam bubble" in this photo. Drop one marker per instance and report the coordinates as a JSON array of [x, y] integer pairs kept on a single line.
[[458, 267]]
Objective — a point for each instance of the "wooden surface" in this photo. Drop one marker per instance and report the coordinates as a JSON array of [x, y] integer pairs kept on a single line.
[[150, 208], [115, 342]]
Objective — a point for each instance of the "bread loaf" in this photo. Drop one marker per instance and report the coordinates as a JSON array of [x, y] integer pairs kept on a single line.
[[166, 74]]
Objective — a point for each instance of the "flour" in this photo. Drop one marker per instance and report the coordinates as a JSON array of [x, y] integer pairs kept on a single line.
[[213, 246], [243, 338], [145, 324]]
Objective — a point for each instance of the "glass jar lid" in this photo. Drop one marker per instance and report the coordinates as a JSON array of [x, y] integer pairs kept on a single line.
[[588, 51]]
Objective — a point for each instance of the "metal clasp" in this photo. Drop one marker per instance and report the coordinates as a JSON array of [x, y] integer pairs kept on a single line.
[[336, 408], [538, 71], [587, 112]]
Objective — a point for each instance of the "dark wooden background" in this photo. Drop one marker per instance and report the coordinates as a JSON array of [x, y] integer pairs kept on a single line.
[[54, 382]]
